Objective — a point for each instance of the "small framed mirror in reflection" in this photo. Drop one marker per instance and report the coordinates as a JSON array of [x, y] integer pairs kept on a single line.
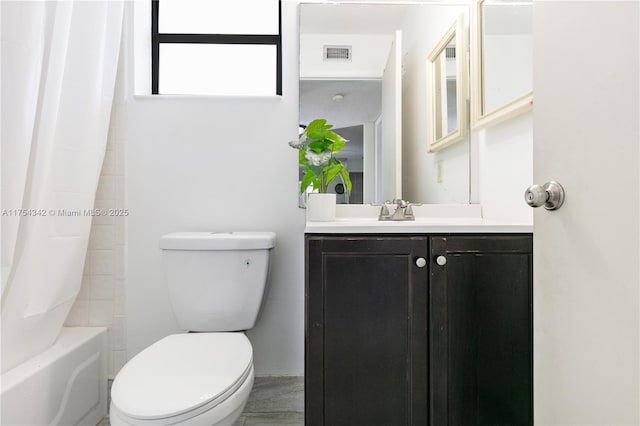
[[501, 60], [447, 94]]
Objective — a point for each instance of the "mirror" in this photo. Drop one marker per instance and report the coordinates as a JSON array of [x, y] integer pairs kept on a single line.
[[448, 89], [501, 60], [363, 68]]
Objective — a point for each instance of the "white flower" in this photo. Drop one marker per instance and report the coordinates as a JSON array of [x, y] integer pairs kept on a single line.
[[317, 159]]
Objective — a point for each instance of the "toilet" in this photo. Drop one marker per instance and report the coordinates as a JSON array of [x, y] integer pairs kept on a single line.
[[216, 283]]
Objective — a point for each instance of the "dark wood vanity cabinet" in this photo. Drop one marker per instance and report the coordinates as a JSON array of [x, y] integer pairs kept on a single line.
[[480, 330], [392, 340], [366, 331]]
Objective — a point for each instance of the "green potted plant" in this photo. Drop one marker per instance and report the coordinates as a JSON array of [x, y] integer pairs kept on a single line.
[[317, 147]]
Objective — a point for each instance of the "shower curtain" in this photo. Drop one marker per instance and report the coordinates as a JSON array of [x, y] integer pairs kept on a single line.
[[59, 63]]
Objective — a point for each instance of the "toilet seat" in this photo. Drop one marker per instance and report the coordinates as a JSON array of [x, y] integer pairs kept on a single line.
[[181, 376]]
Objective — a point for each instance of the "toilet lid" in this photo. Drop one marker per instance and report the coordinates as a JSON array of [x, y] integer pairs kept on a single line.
[[181, 373]]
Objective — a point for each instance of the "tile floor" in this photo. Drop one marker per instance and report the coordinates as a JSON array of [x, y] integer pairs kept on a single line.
[[274, 401]]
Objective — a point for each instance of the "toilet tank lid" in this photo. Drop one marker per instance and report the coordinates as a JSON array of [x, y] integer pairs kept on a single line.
[[218, 241]]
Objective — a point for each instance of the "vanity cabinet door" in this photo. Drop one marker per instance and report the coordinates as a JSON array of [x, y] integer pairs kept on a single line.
[[366, 330], [480, 334]]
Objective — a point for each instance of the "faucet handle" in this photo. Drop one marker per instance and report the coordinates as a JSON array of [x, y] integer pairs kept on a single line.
[[384, 210], [408, 211]]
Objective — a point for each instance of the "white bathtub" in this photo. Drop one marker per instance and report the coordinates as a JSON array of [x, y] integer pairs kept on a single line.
[[65, 385]]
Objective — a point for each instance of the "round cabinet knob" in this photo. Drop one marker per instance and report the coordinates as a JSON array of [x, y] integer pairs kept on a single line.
[[421, 262], [441, 260]]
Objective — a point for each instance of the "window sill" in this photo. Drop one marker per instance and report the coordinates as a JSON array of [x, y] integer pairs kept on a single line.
[[207, 97]]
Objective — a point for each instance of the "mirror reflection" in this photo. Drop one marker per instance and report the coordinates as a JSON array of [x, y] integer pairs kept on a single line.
[[504, 59], [362, 67], [507, 34], [446, 113]]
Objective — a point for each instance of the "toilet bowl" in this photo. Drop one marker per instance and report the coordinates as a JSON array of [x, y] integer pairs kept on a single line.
[[186, 379], [216, 285]]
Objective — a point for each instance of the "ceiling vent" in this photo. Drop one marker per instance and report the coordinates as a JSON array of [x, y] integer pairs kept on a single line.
[[337, 53]]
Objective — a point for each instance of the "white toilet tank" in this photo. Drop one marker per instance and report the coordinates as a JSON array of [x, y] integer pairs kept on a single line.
[[217, 280]]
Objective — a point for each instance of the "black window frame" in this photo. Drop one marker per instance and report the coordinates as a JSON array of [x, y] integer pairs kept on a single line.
[[158, 38]]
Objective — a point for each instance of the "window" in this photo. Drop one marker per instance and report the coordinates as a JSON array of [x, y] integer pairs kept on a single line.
[[216, 47]]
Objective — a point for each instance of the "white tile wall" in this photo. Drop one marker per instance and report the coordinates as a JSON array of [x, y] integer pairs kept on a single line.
[[101, 298]]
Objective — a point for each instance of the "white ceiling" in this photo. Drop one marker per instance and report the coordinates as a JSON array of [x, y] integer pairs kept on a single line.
[[351, 18]]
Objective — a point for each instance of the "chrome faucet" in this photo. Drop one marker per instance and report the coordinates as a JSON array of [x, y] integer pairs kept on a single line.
[[403, 211]]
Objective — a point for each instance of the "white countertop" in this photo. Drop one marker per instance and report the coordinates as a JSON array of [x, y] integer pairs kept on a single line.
[[430, 219], [419, 226]]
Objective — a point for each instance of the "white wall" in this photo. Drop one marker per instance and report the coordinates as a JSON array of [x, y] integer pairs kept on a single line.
[[421, 31], [369, 55], [219, 163], [502, 168]]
